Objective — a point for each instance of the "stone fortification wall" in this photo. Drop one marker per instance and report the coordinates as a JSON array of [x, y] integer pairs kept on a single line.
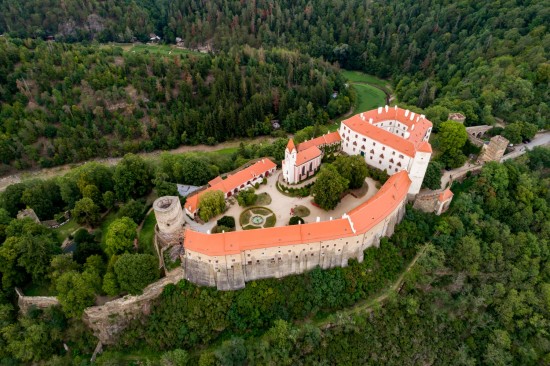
[[427, 201], [40, 302], [108, 320], [231, 272]]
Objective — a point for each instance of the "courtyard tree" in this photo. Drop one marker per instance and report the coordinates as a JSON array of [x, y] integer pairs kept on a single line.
[[132, 177], [86, 211], [120, 236], [247, 197], [328, 187], [352, 168], [211, 204], [135, 271], [451, 139], [432, 179]]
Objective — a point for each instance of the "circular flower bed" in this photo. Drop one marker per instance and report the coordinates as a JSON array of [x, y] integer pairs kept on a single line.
[[257, 217]]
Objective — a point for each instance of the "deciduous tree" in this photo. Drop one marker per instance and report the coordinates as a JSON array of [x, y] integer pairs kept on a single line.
[[328, 187], [120, 236]]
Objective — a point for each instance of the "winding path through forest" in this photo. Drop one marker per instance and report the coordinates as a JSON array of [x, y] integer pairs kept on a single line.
[[368, 305]]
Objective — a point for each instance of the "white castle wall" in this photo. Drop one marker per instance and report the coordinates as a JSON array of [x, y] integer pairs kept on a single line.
[[230, 272]]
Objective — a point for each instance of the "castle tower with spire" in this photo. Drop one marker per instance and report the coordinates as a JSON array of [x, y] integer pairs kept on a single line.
[[290, 162]]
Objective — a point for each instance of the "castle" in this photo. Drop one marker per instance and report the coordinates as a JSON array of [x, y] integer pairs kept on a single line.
[[389, 138]]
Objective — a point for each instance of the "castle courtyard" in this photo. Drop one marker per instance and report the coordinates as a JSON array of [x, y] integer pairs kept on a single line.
[[282, 205]]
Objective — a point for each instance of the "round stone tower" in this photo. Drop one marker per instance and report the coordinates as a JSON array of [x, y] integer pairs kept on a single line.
[[170, 220]]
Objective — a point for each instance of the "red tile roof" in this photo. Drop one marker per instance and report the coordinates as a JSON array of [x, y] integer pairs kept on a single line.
[[306, 155], [425, 147], [445, 195], [328, 139], [417, 125], [216, 180], [364, 218], [290, 146], [232, 181]]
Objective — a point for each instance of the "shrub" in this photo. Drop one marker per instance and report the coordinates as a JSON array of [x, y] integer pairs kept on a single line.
[[228, 221], [220, 229], [264, 181], [134, 210], [247, 197], [257, 185], [135, 271], [295, 220]]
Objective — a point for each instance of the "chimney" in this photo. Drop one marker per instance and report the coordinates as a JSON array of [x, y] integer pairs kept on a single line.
[[412, 116], [330, 218], [396, 107], [407, 113], [386, 108], [370, 121], [362, 117], [379, 110], [318, 219], [208, 231], [422, 116]]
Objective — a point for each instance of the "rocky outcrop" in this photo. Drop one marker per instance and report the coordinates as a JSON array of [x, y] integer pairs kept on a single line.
[[108, 320]]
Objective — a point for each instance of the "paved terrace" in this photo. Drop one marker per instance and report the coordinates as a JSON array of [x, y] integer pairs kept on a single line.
[[281, 205]]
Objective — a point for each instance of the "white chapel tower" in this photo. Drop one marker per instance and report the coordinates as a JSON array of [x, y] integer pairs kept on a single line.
[[290, 162]]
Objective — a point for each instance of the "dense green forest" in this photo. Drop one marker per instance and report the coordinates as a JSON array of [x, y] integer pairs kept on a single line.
[[63, 103], [478, 295], [486, 59]]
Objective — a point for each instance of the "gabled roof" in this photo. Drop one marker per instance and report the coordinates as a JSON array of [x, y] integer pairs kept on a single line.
[[232, 181], [328, 139], [424, 146], [215, 181], [306, 155], [417, 126], [363, 218], [445, 195], [290, 146], [379, 206]]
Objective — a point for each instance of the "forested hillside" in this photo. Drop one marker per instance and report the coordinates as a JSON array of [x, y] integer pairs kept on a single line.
[[486, 59], [479, 295], [62, 103]]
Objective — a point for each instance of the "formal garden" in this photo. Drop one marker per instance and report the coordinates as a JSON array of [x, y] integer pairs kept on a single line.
[[256, 218]]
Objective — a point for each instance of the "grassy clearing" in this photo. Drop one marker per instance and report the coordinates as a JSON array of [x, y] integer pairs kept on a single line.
[[147, 233], [107, 220], [64, 231], [263, 199], [158, 49], [270, 221], [40, 289], [368, 97], [261, 211], [301, 211], [245, 218], [361, 77]]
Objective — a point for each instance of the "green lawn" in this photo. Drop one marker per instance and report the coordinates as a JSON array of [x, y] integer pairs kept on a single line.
[[147, 233], [107, 220], [368, 97], [159, 49], [64, 231], [40, 289], [361, 77]]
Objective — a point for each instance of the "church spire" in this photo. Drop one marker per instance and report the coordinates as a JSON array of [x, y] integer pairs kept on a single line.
[[290, 146]]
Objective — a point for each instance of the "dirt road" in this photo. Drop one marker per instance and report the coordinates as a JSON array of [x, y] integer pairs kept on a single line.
[[46, 173]]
